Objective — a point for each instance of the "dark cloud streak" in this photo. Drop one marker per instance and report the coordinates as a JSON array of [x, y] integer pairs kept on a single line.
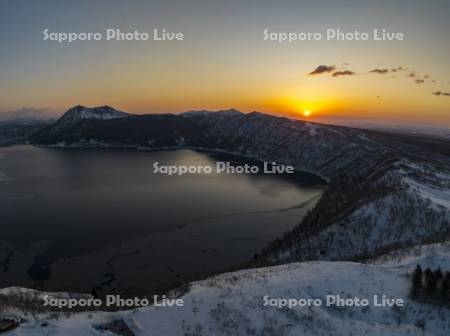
[[381, 71], [323, 69], [343, 73], [440, 93]]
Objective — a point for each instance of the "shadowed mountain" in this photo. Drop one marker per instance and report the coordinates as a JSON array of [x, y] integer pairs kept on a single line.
[[105, 126]]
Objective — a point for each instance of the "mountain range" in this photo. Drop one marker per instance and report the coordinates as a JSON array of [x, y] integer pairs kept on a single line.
[[17, 126], [386, 191]]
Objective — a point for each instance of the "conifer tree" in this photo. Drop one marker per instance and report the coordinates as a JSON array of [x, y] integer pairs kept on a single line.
[[417, 284], [438, 273], [445, 288], [430, 283]]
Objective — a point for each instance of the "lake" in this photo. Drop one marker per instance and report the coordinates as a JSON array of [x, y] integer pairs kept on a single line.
[[75, 219]]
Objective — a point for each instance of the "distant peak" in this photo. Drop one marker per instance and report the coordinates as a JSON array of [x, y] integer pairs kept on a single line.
[[231, 111], [78, 112], [105, 107], [76, 108], [94, 108]]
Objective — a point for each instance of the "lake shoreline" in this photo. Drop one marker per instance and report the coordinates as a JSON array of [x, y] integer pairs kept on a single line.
[[110, 260]]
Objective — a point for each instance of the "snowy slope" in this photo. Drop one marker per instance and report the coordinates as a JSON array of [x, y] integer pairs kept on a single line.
[[414, 211], [233, 304], [432, 255]]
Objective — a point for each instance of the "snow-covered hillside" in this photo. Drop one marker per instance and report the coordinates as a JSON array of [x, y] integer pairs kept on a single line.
[[407, 205], [386, 191], [234, 304]]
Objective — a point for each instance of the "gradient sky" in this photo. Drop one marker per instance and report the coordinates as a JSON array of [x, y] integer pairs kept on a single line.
[[224, 62]]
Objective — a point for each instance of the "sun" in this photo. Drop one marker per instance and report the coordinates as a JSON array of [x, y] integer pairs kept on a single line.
[[306, 113]]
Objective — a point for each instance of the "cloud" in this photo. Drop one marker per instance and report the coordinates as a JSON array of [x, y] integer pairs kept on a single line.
[[439, 93], [382, 71], [331, 69], [385, 70], [323, 69], [343, 73], [27, 112], [409, 73]]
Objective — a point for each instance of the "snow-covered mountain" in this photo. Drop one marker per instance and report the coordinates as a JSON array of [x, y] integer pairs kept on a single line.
[[385, 191], [104, 126], [248, 303], [77, 113]]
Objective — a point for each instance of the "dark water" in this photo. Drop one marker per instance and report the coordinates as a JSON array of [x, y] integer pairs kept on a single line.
[[82, 201]]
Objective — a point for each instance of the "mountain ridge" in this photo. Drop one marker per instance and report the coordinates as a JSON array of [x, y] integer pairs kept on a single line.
[[393, 189]]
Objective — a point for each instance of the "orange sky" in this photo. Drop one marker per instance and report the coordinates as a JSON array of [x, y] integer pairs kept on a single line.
[[224, 61]]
